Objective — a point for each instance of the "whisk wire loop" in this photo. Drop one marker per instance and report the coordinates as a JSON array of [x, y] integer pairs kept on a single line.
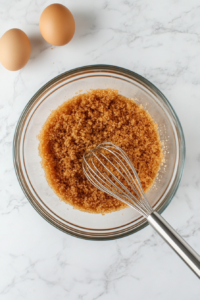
[[94, 175], [103, 177], [115, 178]]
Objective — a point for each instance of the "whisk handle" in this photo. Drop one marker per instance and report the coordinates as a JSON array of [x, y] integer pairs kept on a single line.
[[176, 242]]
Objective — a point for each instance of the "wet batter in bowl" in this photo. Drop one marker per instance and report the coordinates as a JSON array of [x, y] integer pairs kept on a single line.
[[81, 124]]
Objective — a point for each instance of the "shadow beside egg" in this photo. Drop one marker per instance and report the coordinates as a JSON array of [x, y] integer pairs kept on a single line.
[[38, 44], [85, 24]]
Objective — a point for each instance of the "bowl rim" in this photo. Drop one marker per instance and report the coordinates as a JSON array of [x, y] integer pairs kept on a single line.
[[76, 71]]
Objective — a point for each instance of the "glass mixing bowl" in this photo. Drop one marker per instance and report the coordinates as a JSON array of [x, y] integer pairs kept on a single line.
[[27, 161]]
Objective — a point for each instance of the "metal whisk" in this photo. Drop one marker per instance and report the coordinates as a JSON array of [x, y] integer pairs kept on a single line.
[[110, 170]]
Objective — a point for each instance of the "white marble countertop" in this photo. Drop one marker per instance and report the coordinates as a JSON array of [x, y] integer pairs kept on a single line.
[[159, 40]]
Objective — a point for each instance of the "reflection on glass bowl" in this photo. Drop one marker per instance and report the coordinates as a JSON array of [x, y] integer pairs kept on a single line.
[[27, 161]]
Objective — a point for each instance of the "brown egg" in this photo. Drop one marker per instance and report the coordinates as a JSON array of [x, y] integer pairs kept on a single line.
[[57, 24], [15, 49]]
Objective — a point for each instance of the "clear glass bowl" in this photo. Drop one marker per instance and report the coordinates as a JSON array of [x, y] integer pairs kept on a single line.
[[31, 175]]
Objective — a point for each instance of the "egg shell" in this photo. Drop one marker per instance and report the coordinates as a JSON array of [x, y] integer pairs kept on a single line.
[[57, 24], [15, 49]]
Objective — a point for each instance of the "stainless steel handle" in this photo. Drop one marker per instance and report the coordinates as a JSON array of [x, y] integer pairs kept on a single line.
[[176, 242]]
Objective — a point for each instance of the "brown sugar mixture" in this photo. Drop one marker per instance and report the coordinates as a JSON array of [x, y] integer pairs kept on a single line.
[[81, 124]]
